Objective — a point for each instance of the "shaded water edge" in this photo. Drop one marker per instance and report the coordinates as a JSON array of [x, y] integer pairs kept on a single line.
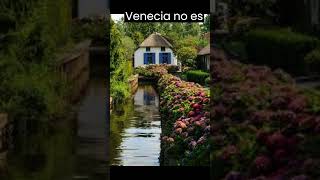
[[64, 149]]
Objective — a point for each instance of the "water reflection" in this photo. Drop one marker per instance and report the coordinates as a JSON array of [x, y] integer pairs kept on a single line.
[[135, 130], [67, 149]]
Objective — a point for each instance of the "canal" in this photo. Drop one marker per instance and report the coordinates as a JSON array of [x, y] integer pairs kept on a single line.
[[67, 149], [135, 129]]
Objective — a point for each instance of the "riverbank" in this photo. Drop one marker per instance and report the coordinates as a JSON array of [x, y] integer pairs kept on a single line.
[[183, 110], [70, 147]]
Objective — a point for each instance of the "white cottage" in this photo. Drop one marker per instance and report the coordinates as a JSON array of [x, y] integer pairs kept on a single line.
[[155, 49]]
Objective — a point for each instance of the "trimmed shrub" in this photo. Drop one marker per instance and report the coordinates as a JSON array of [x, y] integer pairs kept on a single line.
[[280, 48], [197, 76], [313, 60], [237, 48]]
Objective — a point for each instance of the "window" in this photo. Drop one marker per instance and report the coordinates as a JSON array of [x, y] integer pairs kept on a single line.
[[163, 49], [149, 58], [147, 48], [165, 58]]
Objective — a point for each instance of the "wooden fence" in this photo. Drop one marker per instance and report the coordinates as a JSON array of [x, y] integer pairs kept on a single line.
[[74, 68]]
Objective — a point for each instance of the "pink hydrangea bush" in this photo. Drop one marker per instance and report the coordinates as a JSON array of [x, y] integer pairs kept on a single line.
[[184, 108], [262, 124], [153, 70]]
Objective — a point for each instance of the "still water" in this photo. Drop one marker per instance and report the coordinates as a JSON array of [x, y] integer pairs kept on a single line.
[[135, 130], [70, 149]]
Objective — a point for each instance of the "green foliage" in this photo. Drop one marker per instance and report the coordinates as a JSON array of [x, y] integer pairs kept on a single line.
[[239, 25], [90, 28], [187, 55], [121, 49], [29, 85], [262, 8], [116, 52], [34, 95], [129, 46], [238, 48], [119, 91], [145, 29], [137, 38], [207, 81], [280, 48], [197, 76], [206, 25], [313, 97], [312, 60]]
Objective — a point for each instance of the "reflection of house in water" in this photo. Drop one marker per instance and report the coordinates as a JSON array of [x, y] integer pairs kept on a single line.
[[146, 95], [148, 98]]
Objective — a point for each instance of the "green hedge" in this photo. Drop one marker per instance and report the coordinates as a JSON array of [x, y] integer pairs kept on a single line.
[[312, 60], [280, 48], [197, 76]]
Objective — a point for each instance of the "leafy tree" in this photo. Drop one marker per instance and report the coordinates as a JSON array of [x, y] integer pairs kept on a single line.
[[145, 29], [129, 46], [191, 29], [206, 25], [257, 8], [187, 55], [137, 38], [116, 52]]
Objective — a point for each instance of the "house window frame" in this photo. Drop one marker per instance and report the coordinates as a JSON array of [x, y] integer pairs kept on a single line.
[[168, 58], [148, 49], [149, 58], [163, 49]]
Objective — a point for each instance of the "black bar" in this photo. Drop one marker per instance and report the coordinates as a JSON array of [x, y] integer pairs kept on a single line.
[[121, 6], [165, 172]]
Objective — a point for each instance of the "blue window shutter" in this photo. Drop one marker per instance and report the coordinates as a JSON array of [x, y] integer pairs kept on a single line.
[[145, 56], [169, 58], [153, 58], [160, 58]]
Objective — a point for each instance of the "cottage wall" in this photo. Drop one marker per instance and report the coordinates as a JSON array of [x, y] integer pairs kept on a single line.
[[139, 55]]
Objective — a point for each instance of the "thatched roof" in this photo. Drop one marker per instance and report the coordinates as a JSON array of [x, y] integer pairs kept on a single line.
[[155, 40], [204, 51]]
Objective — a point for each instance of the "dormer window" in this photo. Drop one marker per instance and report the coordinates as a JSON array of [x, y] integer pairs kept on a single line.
[[163, 49], [147, 49]]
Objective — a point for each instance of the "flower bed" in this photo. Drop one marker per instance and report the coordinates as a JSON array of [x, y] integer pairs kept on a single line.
[[263, 126], [185, 121], [152, 71], [184, 109]]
